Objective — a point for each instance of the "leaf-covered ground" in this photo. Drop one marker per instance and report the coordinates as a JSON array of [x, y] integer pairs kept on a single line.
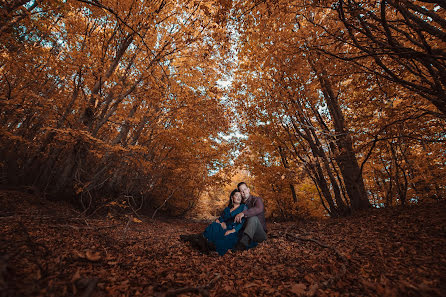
[[47, 249]]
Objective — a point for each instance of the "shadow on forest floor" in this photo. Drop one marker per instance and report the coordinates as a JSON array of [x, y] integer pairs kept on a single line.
[[47, 249]]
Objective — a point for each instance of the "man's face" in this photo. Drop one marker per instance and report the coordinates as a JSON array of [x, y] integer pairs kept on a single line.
[[244, 190]]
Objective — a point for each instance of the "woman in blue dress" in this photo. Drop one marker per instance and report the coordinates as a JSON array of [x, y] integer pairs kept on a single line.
[[223, 233]]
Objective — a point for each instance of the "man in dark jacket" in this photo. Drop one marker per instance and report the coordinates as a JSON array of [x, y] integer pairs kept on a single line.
[[255, 226]]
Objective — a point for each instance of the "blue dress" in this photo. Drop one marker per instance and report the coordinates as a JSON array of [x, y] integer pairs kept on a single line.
[[216, 234]]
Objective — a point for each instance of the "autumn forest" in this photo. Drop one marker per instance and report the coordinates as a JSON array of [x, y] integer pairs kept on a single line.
[[124, 124]]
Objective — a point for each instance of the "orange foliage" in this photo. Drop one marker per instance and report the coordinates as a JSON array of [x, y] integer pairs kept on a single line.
[[113, 98], [299, 97], [120, 98]]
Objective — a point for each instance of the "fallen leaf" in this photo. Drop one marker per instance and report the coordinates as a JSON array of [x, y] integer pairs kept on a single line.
[[76, 276], [78, 254], [312, 290], [298, 289], [92, 256]]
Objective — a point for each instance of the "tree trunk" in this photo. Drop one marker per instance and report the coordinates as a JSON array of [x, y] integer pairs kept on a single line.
[[345, 158], [285, 165]]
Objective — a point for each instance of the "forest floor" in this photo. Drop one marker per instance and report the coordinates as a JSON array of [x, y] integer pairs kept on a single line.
[[47, 249]]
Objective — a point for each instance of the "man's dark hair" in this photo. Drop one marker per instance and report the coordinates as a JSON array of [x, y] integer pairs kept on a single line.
[[230, 204], [241, 183]]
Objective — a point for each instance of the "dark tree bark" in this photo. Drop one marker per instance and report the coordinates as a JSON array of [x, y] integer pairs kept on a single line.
[[345, 157]]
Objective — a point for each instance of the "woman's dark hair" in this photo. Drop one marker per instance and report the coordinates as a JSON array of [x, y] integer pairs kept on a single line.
[[230, 204]]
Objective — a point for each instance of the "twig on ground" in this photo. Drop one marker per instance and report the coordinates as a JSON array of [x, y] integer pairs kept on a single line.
[[6, 217], [344, 260], [203, 290], [131, 201], [86, 208], [83, 227], [126, 227], [295, 237], [164, 203]]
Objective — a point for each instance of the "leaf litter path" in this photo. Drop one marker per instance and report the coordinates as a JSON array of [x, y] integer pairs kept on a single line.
[[46, 249]]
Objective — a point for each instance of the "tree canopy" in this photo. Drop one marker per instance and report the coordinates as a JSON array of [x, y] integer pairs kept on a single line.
[[334, 106]]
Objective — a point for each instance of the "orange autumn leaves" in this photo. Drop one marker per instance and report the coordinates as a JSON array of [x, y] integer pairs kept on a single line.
[[107, 98], [321, 108]]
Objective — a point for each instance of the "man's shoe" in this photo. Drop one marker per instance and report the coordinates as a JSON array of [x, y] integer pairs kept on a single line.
[[239, 247], [245, 240], [243, 243]]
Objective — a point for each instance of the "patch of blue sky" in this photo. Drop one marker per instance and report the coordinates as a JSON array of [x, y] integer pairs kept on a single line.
[[235, 137], [215, 166], [225, 83], [202, 90], [29, 4], [269, 160]]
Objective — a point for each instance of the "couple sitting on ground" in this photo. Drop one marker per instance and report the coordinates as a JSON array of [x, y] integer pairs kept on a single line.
[[241, 226]]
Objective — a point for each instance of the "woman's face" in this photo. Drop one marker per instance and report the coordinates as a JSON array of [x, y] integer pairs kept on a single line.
[[237, 198]]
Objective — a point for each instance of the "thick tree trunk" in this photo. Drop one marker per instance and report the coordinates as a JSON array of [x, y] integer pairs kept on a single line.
[[346, 158]]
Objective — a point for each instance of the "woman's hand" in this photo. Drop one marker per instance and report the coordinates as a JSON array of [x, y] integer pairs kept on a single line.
[[223, 225], [217, 221], [229, 232]]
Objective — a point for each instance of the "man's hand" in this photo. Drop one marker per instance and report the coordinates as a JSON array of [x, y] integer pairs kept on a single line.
[[229, 232], [217, 221], [223, 225], [238, 218]]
